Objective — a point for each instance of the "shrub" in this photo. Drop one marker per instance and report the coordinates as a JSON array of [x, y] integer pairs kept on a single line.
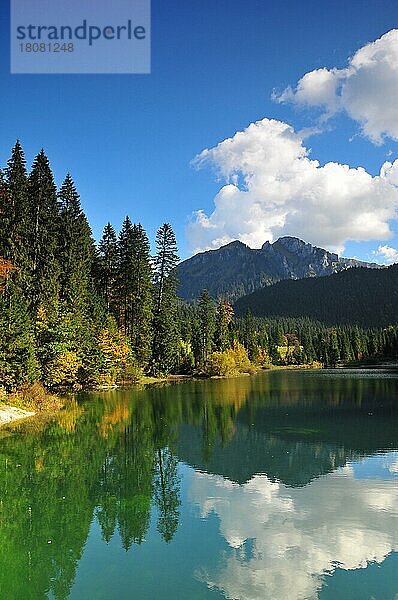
[[34, 397], [232, 361]]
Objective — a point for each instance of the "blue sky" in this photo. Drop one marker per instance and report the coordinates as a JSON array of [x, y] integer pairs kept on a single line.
[[128, 140]]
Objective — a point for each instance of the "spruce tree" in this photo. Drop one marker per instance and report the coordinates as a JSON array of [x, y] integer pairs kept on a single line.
[[14, 212], [125, 276], [6, 265], [250, 342], [134, 288], [207, 325], [4, 218], [141, 297], [18, 362], [165, 322], [224, 315], [108, 267], [76, 249], [43, 236], [167, 493]]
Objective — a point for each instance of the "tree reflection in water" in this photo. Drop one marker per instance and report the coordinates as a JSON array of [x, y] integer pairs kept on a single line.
[[114, 457]]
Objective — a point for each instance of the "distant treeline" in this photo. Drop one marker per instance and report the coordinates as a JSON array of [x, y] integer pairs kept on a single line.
[[304, 341], [367, 297], [73, 312]]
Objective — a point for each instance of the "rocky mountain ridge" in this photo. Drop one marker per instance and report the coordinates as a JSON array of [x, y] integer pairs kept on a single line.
[[235, 270]]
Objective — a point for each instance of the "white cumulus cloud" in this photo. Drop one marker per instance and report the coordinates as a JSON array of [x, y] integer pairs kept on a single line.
[[271, 187], [387, 254], [367, 89], [297, 534]]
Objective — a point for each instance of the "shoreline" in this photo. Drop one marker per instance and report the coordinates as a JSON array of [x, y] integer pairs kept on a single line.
[[9, 414]]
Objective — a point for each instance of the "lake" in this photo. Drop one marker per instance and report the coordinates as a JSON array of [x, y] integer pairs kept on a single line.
[[282, 486]]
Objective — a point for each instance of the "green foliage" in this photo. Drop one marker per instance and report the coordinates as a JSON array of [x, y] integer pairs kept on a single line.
[[75, 249], [165, 320], [108, 267], [128, 288], [342, 298], [302, 341], [224, 316], [42, 236], [18, 361], [206, 326], [167, 493], [71, 313], [14, 216]]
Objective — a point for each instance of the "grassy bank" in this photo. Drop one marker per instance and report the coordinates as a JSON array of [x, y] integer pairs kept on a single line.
[[32, 398]]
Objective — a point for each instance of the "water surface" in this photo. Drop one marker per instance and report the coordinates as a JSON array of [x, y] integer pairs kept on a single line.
[[282, 486]]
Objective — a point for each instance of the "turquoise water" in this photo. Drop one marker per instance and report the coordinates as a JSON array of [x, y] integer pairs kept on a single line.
[[282, 486]]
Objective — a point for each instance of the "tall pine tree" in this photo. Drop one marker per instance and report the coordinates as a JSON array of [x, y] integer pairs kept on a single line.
[[43, 236], [207, 325], [14, 210], [165, 323], [75, 250], [141, 297], [135, 290], [108, 267], [18, 362], [125, 276]]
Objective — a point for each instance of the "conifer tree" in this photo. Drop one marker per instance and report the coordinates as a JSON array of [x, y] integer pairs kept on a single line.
[[134, 288], [4, 218], [250, 335], [14, 214], [18, 362], [224, 315], [125, 275], [43, 236], [207, 323], [108, 267], [165, 325], [141, 297], [76, 249], [167, 493]]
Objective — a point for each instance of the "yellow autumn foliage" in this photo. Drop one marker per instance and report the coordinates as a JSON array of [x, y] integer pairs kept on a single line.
[[62, 370], [68, 418], [263, 358], [232, 361], [114, 347], [117, 418]]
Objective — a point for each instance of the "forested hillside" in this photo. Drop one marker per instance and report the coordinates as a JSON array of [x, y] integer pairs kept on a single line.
[[368, 297]]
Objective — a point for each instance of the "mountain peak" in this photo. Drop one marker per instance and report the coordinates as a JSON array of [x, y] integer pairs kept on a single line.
[[290, 241], [234, 244], [266, 245], [236, 269]]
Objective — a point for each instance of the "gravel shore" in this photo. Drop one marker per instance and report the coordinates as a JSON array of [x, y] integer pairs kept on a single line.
[[12, 413]]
